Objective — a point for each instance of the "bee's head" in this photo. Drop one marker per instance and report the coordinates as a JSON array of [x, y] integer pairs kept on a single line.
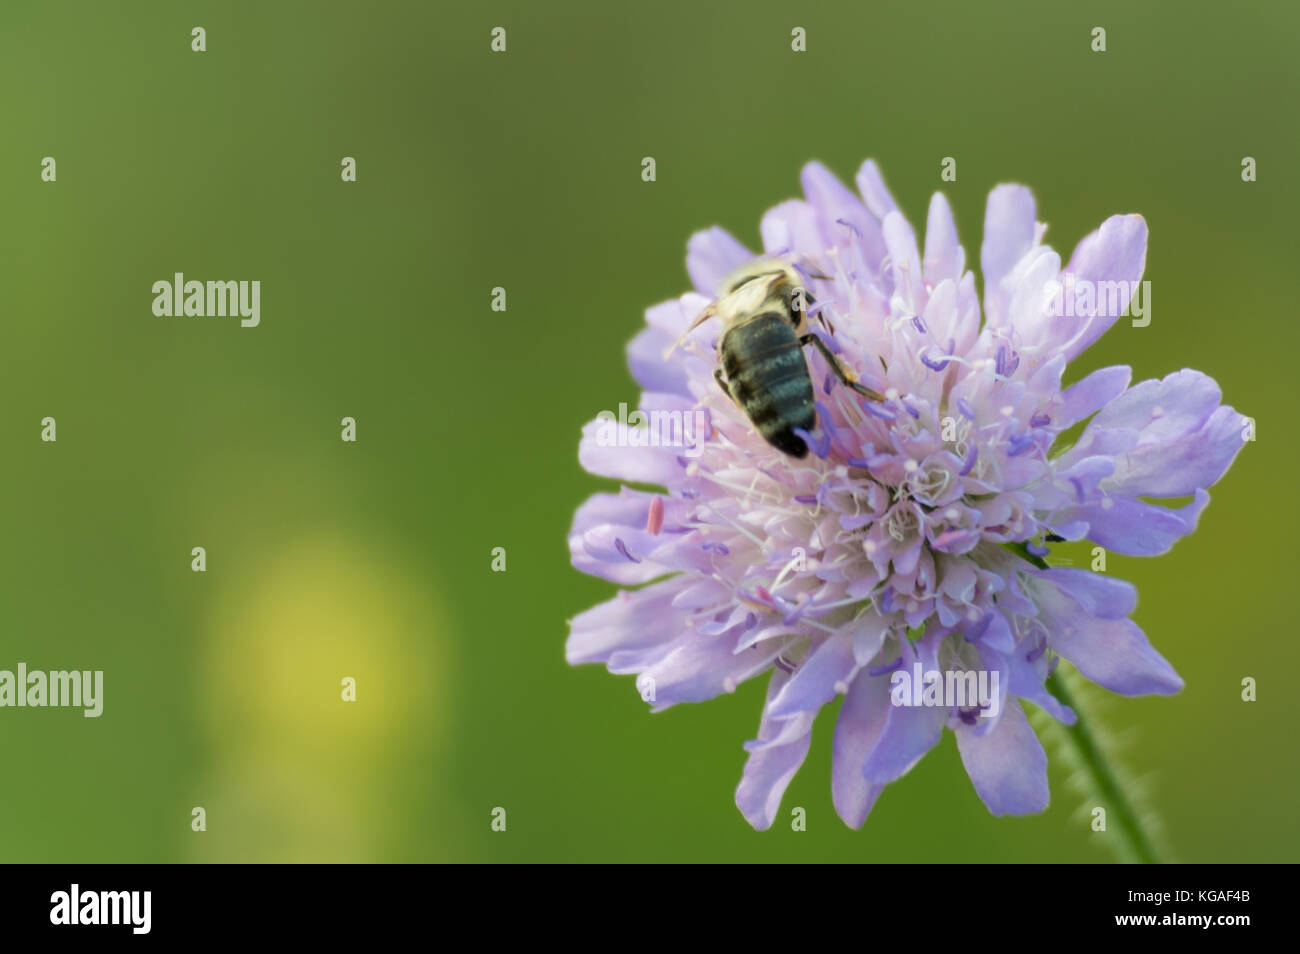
[[776, 274], [774, 283]]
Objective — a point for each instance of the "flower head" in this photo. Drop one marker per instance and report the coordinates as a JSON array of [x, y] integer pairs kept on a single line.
[[910, 540]]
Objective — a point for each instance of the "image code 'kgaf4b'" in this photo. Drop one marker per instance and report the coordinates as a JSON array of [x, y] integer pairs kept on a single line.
[[880, 484]]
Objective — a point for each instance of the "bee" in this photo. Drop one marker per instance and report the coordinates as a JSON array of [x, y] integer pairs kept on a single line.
[[762, 368]]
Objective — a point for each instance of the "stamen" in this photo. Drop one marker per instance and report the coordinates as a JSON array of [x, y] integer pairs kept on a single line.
[[735, 526], [969, 463], [1020, 444], [1006, 362], [780, 577], [932, 365], [622, 548], [790, 611]]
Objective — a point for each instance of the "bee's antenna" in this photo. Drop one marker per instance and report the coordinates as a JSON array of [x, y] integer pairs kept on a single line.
[[703, 316]]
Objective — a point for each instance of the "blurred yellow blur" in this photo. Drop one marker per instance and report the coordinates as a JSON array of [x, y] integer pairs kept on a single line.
[[298, 772]]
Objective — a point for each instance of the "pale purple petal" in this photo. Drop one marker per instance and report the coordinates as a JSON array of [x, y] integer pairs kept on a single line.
[[944, 256], [905, 260], [773, 760], [645, 358], [858, 726], [633, 619], [909, 731], [871, 184], [1007, 765], [1113, 653], [697, 668], [844, 217], [711, 255], [605, 450], [1091, 394], [1186, 465], [826, 671], [1009, 234], [1113, 257], [1163, 410], [1186, 439], [604, 522], [792, 224], [1099, 594], [1130, 526], [1025, 678]]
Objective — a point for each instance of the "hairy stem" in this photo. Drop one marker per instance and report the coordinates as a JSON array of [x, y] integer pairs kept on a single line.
[[1134, 844], [1091, 755]]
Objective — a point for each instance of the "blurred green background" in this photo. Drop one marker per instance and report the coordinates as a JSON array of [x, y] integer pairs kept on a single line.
[[522, 170]]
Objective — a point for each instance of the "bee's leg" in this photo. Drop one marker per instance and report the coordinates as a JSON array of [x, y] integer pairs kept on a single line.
[[722, 383], [821, 316], [845, 379]]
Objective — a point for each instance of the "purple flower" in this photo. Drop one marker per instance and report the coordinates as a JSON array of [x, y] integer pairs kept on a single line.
[[910, 542]]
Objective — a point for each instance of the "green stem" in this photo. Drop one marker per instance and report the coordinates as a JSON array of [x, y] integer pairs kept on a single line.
[[1122, 817], [1134, 843]]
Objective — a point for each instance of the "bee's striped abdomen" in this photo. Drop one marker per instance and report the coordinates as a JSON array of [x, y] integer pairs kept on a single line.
[[768, 376]]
